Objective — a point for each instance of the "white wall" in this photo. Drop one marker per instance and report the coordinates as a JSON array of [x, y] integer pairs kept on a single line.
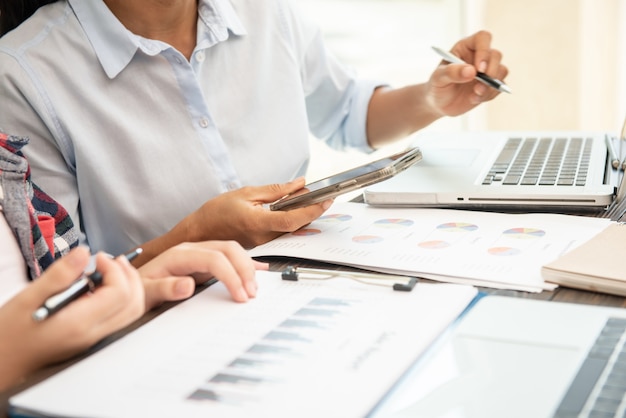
[[388, 40], [566, 62]]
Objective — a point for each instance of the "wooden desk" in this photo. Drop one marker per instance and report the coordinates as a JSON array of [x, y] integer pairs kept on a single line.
[[279, 264]]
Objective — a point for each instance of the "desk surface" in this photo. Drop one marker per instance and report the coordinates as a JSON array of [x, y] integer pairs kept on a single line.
[[278, 264]]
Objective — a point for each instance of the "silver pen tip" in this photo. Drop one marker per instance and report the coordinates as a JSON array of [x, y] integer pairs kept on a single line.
[[40, 314]]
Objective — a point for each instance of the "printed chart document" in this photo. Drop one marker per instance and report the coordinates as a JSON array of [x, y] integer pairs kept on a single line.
[[497, 250], [299, 349]]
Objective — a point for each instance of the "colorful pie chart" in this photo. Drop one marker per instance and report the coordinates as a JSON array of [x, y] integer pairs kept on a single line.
[[504, 251], [524, 233], [393, 223], [434, 245], [335, 217], [457, 227]]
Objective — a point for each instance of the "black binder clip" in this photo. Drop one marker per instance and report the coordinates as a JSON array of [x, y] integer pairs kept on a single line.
[[290, 274], [400, 283]]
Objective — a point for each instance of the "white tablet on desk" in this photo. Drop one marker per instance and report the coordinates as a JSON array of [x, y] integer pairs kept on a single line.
[[520, 358]]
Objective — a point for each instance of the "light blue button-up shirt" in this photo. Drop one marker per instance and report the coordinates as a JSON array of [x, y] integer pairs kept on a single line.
[[131, 137]]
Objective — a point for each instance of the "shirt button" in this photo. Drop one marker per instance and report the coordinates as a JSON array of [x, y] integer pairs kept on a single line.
[[200, 56], [204, 123]]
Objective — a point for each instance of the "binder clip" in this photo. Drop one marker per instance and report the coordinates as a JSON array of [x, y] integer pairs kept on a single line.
[[399, 283]]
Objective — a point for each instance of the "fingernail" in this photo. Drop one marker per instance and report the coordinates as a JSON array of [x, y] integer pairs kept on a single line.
[[327, 204], [482, 67], [243, 296], [251, 288], [475, 100], [467, 72], [76, 258], [183, 288], [480, 89]]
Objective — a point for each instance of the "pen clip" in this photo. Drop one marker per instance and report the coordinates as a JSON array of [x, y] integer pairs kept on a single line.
[[402, 283]]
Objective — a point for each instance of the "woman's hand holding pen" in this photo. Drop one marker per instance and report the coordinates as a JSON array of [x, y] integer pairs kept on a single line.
[[30, 345], [124, 295], [452, 88]]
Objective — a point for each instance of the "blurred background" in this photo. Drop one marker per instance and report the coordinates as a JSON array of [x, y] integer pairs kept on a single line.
[[566, 59]]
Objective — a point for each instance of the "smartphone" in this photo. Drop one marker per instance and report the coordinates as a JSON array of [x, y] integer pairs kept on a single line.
[[349, 180]]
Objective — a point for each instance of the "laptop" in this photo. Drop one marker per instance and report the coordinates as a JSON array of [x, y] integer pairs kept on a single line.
[[568, 170], [520, 358]]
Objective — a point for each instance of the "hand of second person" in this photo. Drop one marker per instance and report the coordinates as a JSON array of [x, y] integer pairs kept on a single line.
[[173, 274], [26, 345], [452, 88]]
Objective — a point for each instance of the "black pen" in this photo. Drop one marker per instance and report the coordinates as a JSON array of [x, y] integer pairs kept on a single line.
[[82, 285], [482, 77]]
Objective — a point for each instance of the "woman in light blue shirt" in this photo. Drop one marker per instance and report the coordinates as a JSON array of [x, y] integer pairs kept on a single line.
[[158, 123]]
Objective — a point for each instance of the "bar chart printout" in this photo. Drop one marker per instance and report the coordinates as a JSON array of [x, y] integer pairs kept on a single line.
[[305, 349]]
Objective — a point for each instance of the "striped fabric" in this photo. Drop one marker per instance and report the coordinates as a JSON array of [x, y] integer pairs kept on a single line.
[[34, 217]]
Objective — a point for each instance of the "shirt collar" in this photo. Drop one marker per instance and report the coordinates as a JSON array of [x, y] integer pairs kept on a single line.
[[116, 46], [215, 19]]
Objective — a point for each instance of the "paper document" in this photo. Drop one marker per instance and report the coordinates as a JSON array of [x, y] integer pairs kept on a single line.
[[299, 349], [489, 249]]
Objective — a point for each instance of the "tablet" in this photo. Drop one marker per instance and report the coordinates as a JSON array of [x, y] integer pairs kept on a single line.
[[347, 181]]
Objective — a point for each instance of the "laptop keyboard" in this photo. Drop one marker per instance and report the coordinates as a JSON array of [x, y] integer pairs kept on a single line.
[[542, 161], [599, 389]]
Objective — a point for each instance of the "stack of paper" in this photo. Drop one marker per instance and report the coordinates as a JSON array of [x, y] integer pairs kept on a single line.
[[497, 250], [299, 349]]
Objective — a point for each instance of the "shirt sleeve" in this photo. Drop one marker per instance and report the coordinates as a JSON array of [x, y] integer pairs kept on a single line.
[[337, 100]]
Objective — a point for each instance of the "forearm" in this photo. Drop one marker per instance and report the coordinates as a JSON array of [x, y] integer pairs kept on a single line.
[[182, 232], [396, 113], [207, 223], [11, 373], [17, 358]]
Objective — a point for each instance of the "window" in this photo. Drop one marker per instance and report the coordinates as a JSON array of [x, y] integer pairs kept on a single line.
[[387, 40]]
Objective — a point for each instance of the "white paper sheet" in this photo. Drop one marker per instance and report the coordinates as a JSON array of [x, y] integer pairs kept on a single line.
[[301, 349], [498, 250]]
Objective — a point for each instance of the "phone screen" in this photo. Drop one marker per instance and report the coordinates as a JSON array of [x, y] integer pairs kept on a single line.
[[349, 180], [350, 174]]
